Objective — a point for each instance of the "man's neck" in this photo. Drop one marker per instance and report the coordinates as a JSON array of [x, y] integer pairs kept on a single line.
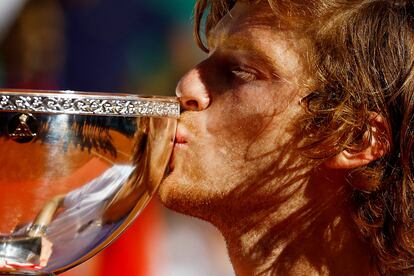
[[311, 233]]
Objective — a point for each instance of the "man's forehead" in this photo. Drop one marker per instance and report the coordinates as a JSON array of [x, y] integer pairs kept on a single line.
[[244, 16], [255, 28]]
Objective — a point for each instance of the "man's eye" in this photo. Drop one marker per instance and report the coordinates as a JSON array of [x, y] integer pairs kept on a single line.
[[244, 74]]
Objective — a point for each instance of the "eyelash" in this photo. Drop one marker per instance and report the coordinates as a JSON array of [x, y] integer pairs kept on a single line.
[[243, 74]]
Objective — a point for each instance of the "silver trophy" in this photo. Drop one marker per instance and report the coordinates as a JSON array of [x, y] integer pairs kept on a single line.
[[75, 170]]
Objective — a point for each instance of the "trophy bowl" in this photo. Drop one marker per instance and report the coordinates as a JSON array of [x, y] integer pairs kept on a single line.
[[75, 170]]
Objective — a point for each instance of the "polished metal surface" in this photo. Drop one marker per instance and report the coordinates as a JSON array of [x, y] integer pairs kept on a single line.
[[73, 177], [70, 102]]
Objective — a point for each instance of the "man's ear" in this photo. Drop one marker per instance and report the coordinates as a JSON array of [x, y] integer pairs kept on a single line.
[[376, 147]]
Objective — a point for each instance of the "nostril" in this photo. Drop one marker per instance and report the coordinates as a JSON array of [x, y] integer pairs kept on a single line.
[[191, 105]]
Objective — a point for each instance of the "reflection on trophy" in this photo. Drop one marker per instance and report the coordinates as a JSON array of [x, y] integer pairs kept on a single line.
[[75, 170], [19, 129]]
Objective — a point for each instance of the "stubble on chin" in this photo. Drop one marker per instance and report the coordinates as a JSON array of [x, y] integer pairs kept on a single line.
[[189, 191], [175, 193]]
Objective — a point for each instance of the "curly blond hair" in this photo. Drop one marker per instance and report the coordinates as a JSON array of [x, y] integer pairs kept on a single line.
[[363, 54]]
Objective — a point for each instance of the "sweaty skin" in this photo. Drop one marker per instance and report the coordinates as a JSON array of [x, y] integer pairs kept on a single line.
[[236, 161]]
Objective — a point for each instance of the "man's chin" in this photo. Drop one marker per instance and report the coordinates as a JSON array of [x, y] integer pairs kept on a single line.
[[178, 196], [168, 192]]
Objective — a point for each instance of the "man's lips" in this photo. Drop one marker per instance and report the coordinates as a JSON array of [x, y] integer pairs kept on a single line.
[[181, 136], [179, 143], [180, 139]]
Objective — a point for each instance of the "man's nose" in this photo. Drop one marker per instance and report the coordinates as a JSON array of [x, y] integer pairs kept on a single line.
[[192, 92]]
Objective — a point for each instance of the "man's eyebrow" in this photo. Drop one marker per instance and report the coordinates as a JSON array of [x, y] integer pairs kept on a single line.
[[259, 55]]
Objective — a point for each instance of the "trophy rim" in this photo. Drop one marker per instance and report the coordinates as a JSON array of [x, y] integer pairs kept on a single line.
[[88, 103]]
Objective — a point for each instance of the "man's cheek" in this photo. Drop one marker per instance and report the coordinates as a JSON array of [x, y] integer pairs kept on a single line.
[[237, 119]]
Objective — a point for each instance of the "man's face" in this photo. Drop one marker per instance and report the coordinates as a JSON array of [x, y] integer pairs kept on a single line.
[[241, 107]]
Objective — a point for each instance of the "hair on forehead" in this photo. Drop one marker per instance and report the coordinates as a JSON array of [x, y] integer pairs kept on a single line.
[[289, 12]]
